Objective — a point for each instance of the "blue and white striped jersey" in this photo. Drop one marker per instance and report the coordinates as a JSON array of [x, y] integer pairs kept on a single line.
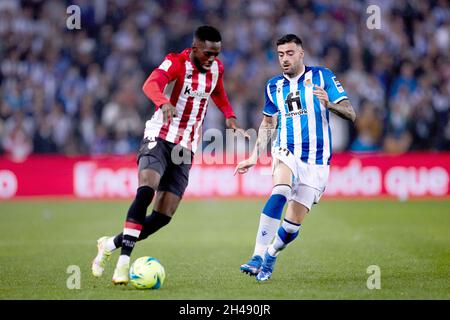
[[303, 122]]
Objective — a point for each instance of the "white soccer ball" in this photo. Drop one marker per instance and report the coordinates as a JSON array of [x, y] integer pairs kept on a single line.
[[147, 273]]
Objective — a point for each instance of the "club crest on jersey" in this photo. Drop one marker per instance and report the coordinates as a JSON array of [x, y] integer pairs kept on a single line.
[[308, 83], [195, 93]]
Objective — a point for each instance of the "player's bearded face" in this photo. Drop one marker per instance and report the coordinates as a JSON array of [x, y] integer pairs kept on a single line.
[[290, 56], [204, 54]]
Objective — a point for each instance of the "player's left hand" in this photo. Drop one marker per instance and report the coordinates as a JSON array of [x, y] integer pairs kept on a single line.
[[231, 123], [244, 166], [322, 95]]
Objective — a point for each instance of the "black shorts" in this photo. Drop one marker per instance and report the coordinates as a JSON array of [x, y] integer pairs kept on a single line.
[[157, 155]]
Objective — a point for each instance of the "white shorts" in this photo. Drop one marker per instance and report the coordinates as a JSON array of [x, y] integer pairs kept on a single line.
[[309, 180]]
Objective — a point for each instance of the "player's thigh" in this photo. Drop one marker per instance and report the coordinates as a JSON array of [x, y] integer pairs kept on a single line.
[[175, 180], [296, 212], [166, 203], [303, 197], [282, 174], [152, 162], [171, 188]]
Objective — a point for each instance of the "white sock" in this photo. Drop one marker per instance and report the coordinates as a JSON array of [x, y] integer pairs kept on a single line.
[[110, 245], [267, 229], [271, 250], [123, 259]]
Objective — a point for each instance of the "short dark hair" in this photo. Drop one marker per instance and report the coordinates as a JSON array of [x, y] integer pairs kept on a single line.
[[207, 33], [289, 38]]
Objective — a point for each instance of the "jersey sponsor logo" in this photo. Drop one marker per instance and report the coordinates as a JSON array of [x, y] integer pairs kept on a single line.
[[195, 93], [300, 112], [165, 65], [294, 104], [338, 85]]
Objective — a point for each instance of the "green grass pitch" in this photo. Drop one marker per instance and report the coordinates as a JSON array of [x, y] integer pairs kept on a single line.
[[203, 247]]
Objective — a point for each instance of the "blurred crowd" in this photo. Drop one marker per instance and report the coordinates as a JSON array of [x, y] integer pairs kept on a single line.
[[79, 91]]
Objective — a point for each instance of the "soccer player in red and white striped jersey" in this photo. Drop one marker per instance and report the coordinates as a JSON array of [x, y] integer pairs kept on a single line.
[[182, 86], [180, 89]]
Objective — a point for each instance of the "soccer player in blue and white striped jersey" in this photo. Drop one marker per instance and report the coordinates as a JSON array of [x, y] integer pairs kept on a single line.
[[299, 101]]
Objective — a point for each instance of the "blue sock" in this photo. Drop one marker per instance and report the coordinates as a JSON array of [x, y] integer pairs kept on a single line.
[[270, 218], [274, 206], [287, 233]]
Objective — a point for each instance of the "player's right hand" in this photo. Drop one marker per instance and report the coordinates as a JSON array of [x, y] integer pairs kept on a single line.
[[244, 166], [169, 112]]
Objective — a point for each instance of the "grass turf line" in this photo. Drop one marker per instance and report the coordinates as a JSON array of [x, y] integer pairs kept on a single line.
[[204, 245]]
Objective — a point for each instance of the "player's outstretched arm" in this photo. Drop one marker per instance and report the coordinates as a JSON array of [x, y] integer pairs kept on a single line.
[[232, 124], [343, 108], [265, 134]]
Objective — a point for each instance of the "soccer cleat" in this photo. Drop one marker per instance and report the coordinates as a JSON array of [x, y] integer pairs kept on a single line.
[[98, 264], [267, 268], [121, 274], [253, 266]]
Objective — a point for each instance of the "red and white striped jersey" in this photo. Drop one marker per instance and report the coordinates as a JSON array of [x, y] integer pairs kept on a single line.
[[178, 81]]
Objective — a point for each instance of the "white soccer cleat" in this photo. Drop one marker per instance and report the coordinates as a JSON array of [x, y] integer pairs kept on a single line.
[[121, 274], [98, 265]]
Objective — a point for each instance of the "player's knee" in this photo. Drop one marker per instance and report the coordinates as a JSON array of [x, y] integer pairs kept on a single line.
[[283, 190], [149, 178], [144, 195], [274, 206], [167, 203]]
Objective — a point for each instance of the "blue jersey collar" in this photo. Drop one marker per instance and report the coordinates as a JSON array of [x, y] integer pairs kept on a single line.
[[297, 77]]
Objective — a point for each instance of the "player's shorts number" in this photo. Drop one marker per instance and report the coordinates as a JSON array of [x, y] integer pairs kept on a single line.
[[284, 150]]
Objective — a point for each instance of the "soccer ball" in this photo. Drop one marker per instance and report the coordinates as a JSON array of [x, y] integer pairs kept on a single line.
[[147, 273]]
